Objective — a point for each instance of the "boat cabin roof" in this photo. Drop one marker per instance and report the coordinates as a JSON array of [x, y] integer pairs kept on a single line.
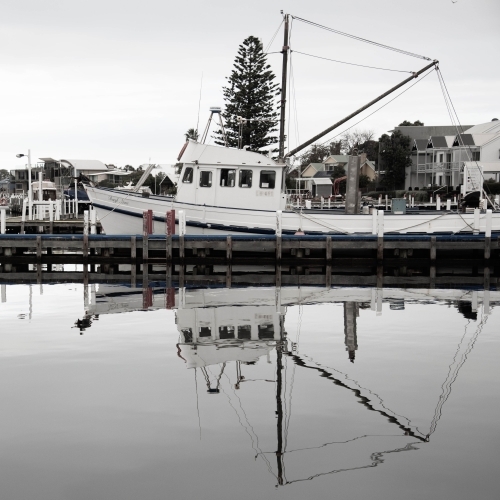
[[206, 154]]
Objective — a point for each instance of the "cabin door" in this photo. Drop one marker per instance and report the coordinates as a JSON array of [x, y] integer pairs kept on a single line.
[[205, 189]]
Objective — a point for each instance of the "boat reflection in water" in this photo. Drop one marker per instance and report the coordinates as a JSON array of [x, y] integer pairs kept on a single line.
[[233, 336]]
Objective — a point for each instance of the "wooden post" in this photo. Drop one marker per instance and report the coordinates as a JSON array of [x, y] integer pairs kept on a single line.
[[380, 239], [133, 248], [229, 249], [147, 228], [51, 216], [433, 248], [38, 247], [169, 231], [328, 245]]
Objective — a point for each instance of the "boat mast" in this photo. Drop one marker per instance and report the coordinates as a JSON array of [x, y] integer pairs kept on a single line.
[[284, 51]]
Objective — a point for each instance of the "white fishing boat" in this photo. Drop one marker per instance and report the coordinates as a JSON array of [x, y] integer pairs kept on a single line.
[[224, 190]]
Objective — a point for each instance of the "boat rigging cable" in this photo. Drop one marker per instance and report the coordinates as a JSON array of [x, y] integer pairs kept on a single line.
[[352, 64], [456, 122], [359, 39], [373, 112]]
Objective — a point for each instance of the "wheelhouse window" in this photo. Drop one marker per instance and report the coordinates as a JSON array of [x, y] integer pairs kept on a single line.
[[188, 175], [266, 332], [245, 180], [205, 331], [245, 332], [226, 332], [205, 178], [227, 177], [476, 156], [267, 179]]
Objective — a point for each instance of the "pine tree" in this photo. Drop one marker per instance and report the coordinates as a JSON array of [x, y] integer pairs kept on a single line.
[[250, 94]]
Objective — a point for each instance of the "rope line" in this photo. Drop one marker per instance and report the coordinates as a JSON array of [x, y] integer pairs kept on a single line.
[[359, 39], [353, 64]]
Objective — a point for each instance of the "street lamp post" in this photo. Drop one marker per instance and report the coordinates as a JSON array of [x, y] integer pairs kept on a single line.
[[30, 192]]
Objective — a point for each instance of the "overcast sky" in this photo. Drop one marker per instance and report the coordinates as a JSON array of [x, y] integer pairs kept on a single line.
[[120, 81]]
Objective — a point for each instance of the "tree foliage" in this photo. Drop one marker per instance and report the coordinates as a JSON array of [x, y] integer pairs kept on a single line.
[[250, 94], [406, 123], [318, 153], [192, 134], [353, 139], [395, 155]]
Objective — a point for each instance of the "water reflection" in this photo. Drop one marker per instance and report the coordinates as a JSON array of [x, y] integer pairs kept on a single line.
[[225, 333]]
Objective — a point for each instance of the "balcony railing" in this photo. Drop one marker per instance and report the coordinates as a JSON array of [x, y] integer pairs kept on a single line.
[[443, 167]]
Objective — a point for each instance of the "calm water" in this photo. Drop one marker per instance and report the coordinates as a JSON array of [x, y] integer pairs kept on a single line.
[[248, 393]]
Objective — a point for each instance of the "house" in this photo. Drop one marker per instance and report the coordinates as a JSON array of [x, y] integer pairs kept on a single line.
[[440, 159]]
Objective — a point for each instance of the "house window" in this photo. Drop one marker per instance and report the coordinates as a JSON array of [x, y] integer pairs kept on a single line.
[[188, 176], [267, 179], [206, 178], [476, 156], [245, 180], [227, 177]]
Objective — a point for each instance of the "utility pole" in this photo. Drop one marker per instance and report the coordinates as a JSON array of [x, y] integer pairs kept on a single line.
[[284, 51]]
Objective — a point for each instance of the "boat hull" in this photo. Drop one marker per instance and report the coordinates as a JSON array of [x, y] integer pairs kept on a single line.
[[122, 213]]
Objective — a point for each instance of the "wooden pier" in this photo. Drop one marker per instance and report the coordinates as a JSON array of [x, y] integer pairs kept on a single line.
[[322, 260]]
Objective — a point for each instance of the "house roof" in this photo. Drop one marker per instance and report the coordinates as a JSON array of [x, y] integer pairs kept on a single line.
[[370, 164], [324, 174], [337, 159], [420, 144], [321, 180], [437, 141], [485, 128], [465, 139], [86, 165]]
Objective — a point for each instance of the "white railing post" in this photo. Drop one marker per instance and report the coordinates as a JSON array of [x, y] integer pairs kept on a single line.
[[438, 202], [487, 230], [182, 222], [329, 202], [448, 204], [23, 213], [3, 224], [93, 221], [279, 215], [58, 210], [51, 211], [322, 202], [374, 221], [386, 202], [380, 223], [476, 220]]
